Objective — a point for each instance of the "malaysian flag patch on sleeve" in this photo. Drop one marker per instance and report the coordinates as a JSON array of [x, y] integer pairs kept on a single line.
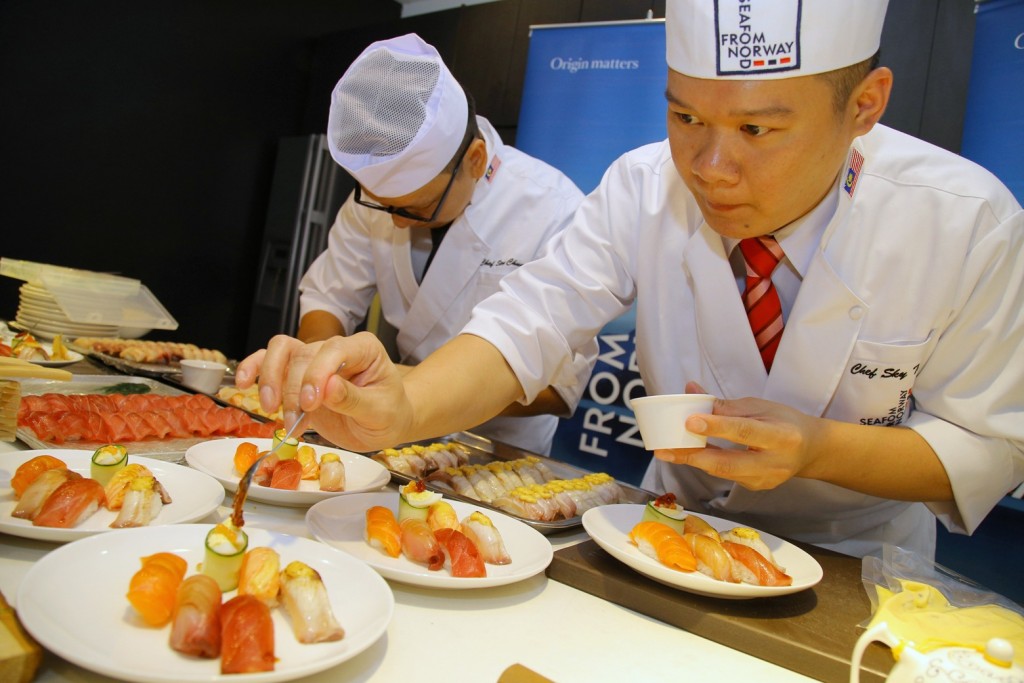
[[853, 171]]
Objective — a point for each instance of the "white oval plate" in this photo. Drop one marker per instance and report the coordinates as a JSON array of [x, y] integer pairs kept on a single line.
[[340, 522], [609, 526], [73, 357], [98, 630], [193, 495], [217, 458]]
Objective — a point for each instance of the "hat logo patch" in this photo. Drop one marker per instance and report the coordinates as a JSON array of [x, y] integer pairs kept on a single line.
[[754, 36]]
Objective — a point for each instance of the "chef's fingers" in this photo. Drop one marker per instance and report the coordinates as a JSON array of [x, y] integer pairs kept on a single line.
[[248, 370], [275, 363], [694, 388]]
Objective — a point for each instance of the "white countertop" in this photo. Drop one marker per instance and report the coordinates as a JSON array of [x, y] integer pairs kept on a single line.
[[435, 635]]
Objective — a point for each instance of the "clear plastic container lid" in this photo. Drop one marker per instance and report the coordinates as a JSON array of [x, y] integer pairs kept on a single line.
[[95, 298]]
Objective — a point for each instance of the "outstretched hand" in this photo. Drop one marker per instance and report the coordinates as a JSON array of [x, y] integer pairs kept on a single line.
[[350, 390], [778, 441]]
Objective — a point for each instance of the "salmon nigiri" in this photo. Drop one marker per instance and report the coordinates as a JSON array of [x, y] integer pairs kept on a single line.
[[419, 544], [245, 455], [382, 530], [153, 589], [461, 556], [287, 475], [39, 490], [260, 574], [29, 470], [664, 544], [760, 570], [195, 627], [247, 636], [71, 503]]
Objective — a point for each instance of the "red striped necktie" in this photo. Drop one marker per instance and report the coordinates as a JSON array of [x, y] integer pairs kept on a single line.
[[764, 309]]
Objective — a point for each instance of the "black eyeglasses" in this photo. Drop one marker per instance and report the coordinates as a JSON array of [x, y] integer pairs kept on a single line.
[[398, 211]]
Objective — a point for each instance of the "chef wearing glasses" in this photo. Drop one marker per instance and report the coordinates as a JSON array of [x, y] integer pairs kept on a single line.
[[442, 210]]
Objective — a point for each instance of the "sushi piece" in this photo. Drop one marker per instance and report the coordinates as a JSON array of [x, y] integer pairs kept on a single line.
[[485, 536], [304, 597], [247, 636], [664, 509], [414, 500], [392, 459], [39, 490], [117, 487], [749, 537], [460, 555], [286, 450], [142, 503], [195, 622], [153, 589], [712, 558], [759, 570], [419, 544], [382, 530], [107, 461], [441, 515], [70, 504], [307, 458], [287, 475], [223, 554], [663, 544], [259, 575], [332, 473], [695, 525], [245, 455], [265, 472], [29, 470]]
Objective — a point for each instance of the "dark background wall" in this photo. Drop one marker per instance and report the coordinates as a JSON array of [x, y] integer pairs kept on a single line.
[[140, 137]]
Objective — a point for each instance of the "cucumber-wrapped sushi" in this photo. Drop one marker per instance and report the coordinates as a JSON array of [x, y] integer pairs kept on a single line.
[[414, 500], [288, 448], [664, 509], [107, 461], [225, 548]]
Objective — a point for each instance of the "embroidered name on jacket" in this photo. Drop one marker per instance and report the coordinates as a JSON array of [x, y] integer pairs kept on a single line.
[[499, 263]]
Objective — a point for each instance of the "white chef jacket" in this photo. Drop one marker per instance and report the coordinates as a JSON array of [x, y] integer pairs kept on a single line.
[[518, 209], [911, 311]]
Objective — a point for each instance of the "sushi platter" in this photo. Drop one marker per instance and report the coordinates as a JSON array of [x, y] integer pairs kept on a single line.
[[215, 458], [340, 523], [483, 451], [97, 630], [193, 495], [610, 526]]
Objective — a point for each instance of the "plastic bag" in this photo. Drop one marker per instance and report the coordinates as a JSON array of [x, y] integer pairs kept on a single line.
[[928, 606]]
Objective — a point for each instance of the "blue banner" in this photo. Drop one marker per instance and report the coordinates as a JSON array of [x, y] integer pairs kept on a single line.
[[994, 119], [593, 92]]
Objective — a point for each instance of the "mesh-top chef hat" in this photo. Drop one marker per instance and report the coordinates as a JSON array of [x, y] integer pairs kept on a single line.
[[763, 39], [397, 117]]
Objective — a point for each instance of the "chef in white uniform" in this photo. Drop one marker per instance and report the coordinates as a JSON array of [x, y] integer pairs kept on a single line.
[[436, 188], [896, 394]]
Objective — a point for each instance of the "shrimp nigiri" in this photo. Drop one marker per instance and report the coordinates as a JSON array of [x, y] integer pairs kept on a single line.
[[153, 589], [419, 544], [259, 575], [481, 530], [664, 544], [71, 503], [29, 470], [461, 556], [305, 600], [40, 489], [195, 627], [382, 530], [247, 636]]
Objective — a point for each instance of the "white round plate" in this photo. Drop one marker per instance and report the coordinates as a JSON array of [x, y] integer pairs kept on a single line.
[[193, 495], [340, 522], [217, 458], [609, 526], [98, 630], [73, 357]]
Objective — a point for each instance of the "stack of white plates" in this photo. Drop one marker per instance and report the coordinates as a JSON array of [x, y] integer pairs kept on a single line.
[[39, 312]]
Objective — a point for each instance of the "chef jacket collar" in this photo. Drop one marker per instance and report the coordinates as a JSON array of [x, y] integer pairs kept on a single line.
[[800, 239]]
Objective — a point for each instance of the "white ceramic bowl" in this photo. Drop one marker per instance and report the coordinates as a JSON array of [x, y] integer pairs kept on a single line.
[[202, 375], [662, 419]]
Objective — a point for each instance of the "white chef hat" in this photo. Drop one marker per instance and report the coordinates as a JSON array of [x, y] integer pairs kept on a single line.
[[759, 39], [397, 117]]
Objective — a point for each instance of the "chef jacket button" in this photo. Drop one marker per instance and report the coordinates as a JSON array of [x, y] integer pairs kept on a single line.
[[856, 312]]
